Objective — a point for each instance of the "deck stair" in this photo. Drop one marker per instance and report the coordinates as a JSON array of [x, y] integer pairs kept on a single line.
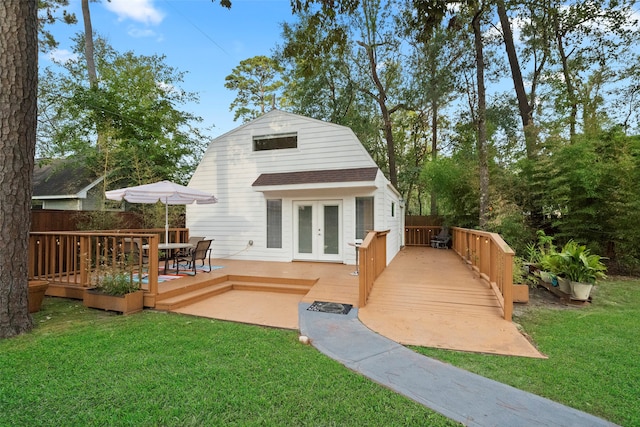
[[191, 294]]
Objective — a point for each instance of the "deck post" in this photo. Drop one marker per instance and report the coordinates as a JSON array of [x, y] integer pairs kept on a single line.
[[84, 258], [507, 281], [153, 267]]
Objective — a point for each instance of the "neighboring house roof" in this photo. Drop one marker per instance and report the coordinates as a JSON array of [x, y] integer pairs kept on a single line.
[[62, 178], [316, 177]]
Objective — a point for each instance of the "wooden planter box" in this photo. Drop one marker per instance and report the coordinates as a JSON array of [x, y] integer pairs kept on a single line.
[[126, 304], [520, 293], [37, 288]]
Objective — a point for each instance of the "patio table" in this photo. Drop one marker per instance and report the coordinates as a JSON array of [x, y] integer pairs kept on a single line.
[[171, 249]]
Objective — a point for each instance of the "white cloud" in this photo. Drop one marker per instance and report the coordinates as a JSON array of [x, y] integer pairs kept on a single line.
[[62, 56], [139, 33], [137, 10]]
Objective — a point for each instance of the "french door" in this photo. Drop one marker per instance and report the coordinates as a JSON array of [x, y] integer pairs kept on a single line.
[[317, 230]]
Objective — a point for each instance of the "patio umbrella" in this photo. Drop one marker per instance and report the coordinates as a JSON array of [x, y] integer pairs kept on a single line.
[[166, 192]]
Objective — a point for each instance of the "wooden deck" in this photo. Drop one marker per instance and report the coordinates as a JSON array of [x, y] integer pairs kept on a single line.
[[263, 293], [425, 297]]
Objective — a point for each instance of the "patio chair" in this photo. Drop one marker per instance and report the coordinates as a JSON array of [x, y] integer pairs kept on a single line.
[[201, 252], [442, 239], [193, 240], [131, 252], [184, 253]]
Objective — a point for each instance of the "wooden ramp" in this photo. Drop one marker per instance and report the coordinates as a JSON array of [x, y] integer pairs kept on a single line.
[[429, 297]]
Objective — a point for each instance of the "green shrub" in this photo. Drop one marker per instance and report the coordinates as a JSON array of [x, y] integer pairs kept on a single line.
[[116, 282]]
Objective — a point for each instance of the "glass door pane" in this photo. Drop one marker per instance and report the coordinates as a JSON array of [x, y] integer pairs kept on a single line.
[[305, 229], [331, 229]]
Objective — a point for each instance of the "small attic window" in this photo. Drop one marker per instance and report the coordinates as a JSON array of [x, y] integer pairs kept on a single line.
[[275, 142]]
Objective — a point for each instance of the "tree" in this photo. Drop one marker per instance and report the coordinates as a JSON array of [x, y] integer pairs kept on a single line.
[[320, 83], [483, 161], [88, 45], [525, 106], [257, 84], [18, 118], [145, 136], [378, 71], [433, 67], [595, 188], [587, 37], [48, 15]]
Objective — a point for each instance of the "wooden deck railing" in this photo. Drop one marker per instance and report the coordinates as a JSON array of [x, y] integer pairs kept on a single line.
[[75, 259], [372, 262], [176, 235], [420, 235], [492, 258]]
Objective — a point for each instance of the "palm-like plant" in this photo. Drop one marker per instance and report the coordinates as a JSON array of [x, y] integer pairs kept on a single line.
[[578, 264]]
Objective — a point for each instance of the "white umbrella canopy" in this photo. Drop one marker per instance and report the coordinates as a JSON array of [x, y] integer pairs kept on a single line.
[[166, 192]]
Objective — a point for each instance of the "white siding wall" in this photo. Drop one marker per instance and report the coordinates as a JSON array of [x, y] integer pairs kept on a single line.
[[63, 205], [230, 166]]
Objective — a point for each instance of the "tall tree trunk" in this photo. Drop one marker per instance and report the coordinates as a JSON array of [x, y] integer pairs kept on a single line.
[[88, 45], [93, 84], [434, 148], [525, 108], [387, 126], [483, 161], [18, 116], [571, 92]]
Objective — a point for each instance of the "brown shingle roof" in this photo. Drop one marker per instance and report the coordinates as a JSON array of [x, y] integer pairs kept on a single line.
[[316, 177]]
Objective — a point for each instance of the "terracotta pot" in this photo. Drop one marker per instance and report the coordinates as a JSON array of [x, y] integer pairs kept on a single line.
[[125, 304], [37, 289], [580, 291], [564, 285]]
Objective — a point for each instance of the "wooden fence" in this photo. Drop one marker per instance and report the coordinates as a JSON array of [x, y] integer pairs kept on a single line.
[[372, 262], [423, 220], [59, 220], [491, 258]]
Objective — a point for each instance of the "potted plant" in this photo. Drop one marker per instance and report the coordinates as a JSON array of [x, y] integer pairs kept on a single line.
[[554, 265], [582, 268], [115, 290], [536, 252], [520, 288]]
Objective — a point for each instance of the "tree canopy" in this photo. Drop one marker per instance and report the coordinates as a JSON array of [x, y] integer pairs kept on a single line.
[[438, 87], [135, 108]]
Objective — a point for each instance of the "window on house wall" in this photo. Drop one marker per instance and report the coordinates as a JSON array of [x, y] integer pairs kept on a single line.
[[364, 216], [275, 142], [393, 209], [274, 223]]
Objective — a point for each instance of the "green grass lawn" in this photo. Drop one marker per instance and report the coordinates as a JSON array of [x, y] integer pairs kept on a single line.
[[87, 367], [594, 354]]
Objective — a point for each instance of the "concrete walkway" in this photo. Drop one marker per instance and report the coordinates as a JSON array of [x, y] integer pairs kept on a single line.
[[460, 395]]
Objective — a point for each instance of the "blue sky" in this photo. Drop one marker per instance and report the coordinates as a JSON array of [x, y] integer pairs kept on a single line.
[[198, 37]]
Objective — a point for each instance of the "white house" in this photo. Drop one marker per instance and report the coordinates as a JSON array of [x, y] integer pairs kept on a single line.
[[293, 188]]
